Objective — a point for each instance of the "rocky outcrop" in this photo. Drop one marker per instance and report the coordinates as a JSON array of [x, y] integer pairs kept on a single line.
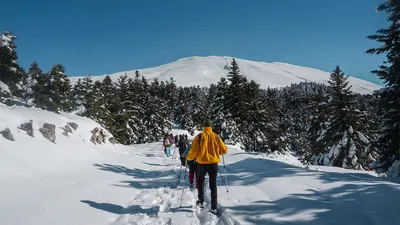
[[98, 136], [73, 125], [67, 129], [28, 127], [112, 140], [49, 131], [7, 134]]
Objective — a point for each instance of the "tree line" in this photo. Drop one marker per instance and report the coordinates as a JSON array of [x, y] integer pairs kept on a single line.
[[322, 124]]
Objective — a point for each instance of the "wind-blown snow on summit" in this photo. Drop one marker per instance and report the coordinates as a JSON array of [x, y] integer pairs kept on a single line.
[[204, 71]]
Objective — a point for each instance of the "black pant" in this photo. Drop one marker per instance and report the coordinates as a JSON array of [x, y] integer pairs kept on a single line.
[[192, 165], [212, 170], [183, 160]]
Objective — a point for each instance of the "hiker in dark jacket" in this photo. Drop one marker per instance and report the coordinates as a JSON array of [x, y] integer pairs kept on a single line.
[[182, 144]]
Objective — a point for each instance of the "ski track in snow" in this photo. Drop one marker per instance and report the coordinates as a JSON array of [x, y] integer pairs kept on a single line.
[[161, 205]]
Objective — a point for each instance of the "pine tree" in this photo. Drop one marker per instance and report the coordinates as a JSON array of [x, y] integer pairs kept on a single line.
[[123, 112], [235, 101], [108, 91], [156, 113], [345, 134], [87, 91], [388, 142], [219, 110], [78, 97], [60, 89], [40, 88], [137, 94], [236, 92], [33, 76], [171, 96], [98, 110], [10, 72]]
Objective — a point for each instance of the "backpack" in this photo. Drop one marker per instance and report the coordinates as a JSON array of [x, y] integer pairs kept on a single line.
[[167, 142]]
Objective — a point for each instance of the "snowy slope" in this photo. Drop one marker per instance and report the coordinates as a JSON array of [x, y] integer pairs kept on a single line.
[[206, 70], [73, 181], [30, 157]]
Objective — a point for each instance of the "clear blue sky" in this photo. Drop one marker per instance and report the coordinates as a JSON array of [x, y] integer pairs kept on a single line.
[[105, 36]]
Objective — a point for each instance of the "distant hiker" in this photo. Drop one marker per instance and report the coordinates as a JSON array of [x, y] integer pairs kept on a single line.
[[372, 165], [182, 144], [186, 136], [176, 140], [192, 168], [207, 148], [167, 143]]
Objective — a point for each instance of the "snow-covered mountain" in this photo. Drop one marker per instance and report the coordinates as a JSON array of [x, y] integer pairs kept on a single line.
[[203, 71]]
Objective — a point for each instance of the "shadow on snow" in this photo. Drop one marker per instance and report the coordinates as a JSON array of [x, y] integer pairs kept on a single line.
[[366, 200], [117, 209]]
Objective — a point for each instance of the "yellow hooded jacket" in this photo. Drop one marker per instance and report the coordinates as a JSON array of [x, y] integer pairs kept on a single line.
[[208, 150]]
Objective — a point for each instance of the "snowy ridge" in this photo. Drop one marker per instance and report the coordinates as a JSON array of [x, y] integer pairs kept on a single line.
[[204, 71]]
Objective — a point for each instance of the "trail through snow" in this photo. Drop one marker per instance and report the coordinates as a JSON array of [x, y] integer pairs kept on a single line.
[[139, 185]]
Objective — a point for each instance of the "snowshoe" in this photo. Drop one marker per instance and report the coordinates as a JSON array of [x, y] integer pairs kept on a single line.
[[214, 211], [200, 204]]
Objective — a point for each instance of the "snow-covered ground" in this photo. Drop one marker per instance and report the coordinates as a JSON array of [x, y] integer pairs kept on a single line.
[[73, 181], [204, 71]]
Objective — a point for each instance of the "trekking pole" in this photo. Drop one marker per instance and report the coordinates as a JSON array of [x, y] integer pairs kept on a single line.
[[179, 177], [184, 184], [226, 179], [172, 156], [220, 175]]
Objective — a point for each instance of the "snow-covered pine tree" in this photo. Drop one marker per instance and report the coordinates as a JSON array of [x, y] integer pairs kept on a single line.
[[10, 72], [87, 91], [184, 117], [235, 98], [389, 143], [345, 134], [41, 87], [317, 124], [218, 111], [197, 109], [31, 79], [97, 109], [171, 95], [181, 106], [108, 92], [60, 89], [156, 113], [236, 93], [78, 97], [123, 112], [134, 107], [254, 129]]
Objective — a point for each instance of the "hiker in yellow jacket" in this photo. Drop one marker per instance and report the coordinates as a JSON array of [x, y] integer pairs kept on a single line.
[[207, 147]]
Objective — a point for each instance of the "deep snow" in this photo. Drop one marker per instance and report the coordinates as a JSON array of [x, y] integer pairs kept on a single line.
[[204, 71], [74, 181]]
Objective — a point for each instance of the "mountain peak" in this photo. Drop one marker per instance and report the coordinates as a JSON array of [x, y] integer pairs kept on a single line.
[[205, 70]]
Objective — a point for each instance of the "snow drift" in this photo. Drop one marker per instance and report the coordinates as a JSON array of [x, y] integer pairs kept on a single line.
[[204, 71]]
